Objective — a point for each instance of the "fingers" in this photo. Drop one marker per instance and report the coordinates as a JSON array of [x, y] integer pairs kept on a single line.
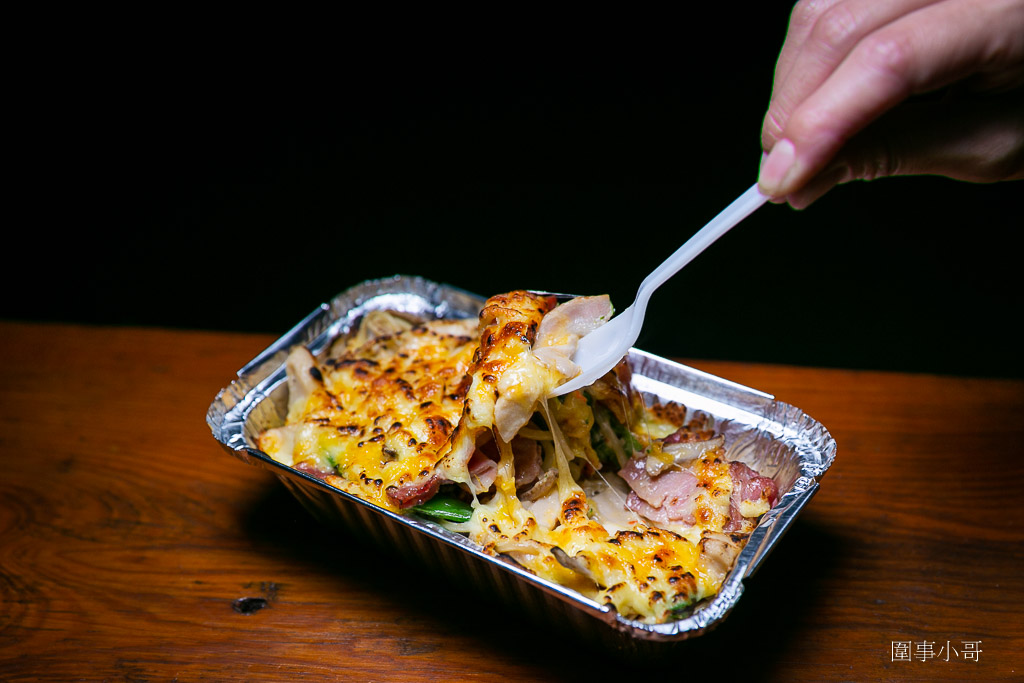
[[926, 49], [801, 22], [978, 140], [821, 34]]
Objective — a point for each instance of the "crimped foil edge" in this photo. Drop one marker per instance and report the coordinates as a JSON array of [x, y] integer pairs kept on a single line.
[[799, 448]]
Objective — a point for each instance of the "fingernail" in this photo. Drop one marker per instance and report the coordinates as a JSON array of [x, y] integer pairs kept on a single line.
[[777, 168]]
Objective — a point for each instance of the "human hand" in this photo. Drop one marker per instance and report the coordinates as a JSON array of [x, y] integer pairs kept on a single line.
[[843, 105]]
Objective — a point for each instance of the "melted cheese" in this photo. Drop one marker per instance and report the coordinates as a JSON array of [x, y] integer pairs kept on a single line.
[[506, 381], [642, 571], [382, 415], [403, 407]]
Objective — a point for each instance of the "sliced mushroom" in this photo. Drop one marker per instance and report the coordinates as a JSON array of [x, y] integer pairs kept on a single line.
[[541, 487], [576, 564]]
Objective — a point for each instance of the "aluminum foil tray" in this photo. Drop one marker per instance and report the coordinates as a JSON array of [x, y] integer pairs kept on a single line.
[[776, 439]]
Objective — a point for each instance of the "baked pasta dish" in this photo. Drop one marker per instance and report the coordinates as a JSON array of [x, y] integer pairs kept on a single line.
[[630, 504]]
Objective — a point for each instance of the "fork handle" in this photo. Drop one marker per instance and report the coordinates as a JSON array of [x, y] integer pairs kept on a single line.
[[743, 206]]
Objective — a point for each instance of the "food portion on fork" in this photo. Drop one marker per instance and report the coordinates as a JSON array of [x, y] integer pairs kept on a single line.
[[601, 347]]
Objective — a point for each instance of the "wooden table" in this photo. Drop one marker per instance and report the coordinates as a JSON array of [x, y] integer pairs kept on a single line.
[[129, 540]]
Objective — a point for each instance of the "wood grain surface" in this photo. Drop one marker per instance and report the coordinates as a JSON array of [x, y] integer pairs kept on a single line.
[[132, 547]]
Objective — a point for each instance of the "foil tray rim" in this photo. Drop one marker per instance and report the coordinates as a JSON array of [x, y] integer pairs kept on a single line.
[[229, 412]]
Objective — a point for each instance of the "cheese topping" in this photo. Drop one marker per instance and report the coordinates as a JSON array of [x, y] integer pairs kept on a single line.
[[629, 504], [377, 418]]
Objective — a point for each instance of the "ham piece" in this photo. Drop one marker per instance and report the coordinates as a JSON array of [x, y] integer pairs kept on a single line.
[[483, 469], [483, 464], [671, 495], [415, 493], [748, 485], [561, 329], [667, 497]]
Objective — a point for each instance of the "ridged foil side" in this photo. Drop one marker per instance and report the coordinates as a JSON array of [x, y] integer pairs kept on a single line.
[[776, 439]]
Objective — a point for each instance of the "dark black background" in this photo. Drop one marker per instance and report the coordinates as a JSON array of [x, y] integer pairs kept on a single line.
[[237, 191]]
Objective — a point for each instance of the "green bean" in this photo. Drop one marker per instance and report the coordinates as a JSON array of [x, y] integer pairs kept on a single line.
[[448, 509]]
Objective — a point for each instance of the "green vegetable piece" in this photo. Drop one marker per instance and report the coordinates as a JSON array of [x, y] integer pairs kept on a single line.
[[628, 440], [597, 438], [604, 452], [442, 507], [680, 610]]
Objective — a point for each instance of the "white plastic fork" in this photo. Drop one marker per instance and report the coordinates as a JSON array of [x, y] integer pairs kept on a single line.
[[599, 351]]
